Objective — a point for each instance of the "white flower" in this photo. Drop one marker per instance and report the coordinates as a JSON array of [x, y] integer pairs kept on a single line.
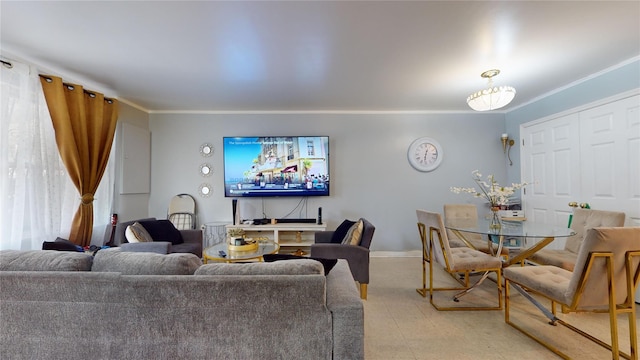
[[490, 190]]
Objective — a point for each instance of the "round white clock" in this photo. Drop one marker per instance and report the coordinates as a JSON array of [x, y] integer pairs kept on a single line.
[[425, 154]]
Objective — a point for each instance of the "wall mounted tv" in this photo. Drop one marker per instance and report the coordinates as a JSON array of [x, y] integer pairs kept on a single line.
[[276, 166]]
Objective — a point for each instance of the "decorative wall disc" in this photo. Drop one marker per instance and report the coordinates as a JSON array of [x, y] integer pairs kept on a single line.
[[206, 169], [206, 149], [205, 190]]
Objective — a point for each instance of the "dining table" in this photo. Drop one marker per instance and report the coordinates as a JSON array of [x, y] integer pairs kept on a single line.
[[541, 234], [538, 233]]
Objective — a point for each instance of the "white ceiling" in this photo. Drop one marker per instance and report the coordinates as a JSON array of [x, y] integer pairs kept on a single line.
[[319, 55]]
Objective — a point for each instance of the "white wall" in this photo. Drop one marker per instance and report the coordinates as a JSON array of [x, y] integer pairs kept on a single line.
[[370, 174]]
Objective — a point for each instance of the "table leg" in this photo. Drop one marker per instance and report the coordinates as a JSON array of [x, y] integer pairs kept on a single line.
[[528, 252]]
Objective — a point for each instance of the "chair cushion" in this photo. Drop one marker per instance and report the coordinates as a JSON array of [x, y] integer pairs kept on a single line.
[[465, 258], [341, 231], [289, 267], [547, 280], [44, 260], [328, 264], [163, 230], [142, 263], [137, 233], [354, 234]]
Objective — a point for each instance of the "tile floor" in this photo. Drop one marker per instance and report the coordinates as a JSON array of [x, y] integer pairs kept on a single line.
[[401, 324]]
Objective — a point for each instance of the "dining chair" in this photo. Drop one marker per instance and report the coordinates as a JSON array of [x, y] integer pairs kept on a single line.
[[467, 215], [583, 219], [604, 280], [458, 261]]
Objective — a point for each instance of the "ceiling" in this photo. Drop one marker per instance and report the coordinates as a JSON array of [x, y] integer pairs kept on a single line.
[[263, 56]]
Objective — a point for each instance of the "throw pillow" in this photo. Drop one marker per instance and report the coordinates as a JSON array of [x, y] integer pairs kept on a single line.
[[163, 230], [61, 244], [137, 233], [341, 231], [328, 264], [354, 234]]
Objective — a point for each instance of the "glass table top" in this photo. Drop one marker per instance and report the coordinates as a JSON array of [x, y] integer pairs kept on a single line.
[[512, 229]]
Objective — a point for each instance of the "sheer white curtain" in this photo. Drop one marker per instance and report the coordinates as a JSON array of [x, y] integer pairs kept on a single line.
[[38, 198]]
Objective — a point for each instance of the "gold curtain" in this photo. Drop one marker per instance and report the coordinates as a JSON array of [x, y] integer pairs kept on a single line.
[[84, 124]]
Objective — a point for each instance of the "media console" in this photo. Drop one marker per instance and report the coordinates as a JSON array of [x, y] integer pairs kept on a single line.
[[290, 236]]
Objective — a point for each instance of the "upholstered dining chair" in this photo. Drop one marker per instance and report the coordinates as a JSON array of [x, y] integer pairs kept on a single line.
[[583, 219], [356, 255], [606, 274], [467, 215], [455, 261]]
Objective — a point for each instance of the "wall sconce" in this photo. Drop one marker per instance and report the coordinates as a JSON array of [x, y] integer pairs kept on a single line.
[[506, 141]]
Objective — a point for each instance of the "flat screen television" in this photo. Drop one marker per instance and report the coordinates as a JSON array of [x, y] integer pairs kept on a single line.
[[276, 166]]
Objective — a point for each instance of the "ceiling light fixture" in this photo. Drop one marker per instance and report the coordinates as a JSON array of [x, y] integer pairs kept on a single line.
[[492, 97]]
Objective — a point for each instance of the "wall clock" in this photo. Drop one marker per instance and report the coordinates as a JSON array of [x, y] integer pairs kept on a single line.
[[425, 154]]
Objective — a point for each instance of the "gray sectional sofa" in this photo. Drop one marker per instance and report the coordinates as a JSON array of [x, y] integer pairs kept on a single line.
[[131, 305]]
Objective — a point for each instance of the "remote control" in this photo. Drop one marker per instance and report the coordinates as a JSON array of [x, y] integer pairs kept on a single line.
[[222, 253]]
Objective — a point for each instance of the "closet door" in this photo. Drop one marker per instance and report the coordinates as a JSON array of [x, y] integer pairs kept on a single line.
[[610, 152], [591, 156], [551, 164]]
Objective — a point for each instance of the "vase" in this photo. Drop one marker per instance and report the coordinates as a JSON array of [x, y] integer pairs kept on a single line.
[[495, 223]]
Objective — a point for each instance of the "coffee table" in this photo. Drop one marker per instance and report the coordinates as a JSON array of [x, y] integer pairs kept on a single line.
[[264, 247]]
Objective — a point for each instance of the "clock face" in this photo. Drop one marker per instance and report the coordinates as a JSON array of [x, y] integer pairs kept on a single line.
[[425, 154]]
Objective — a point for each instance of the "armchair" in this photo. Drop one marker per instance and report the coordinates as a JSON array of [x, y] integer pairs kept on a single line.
[[356, 255]]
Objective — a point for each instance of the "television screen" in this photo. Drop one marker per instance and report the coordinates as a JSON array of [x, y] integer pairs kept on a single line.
[[276, 166]]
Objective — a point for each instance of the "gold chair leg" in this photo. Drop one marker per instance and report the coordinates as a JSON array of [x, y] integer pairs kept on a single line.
[[363, 291]]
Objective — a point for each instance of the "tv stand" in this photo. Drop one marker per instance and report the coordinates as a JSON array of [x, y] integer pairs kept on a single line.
[[290, 236]]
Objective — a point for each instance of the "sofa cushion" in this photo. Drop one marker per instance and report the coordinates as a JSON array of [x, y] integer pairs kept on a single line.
[[341, 231], [163, 230], [328, 264], [142, 263], [136, 233], [44, 260], [289, 267]]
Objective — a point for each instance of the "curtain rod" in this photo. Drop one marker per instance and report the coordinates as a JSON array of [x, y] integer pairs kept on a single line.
[[72, 87], [6, 63]]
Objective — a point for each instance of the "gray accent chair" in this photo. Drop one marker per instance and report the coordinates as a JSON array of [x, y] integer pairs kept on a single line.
[[356, 255], [192, 241]]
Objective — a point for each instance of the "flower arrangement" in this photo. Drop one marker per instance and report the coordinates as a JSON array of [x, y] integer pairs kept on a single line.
[[490, 190]]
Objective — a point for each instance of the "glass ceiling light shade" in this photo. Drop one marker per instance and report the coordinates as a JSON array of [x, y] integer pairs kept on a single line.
[[492, 98]]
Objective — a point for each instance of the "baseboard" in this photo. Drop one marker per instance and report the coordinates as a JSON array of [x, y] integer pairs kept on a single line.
[[410, 253]]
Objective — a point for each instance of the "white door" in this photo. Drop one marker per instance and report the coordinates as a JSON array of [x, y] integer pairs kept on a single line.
[[591, 156], [551, 164], [610, 152]]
